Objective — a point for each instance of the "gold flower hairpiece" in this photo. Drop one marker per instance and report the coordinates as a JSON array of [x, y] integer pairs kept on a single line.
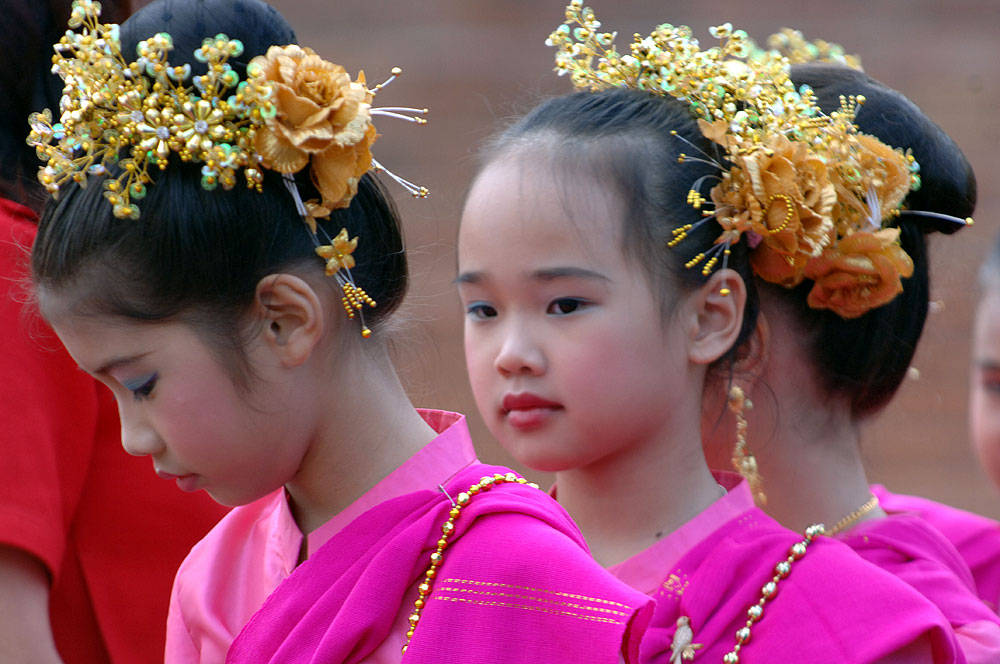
[[814, 196], [293, 110]]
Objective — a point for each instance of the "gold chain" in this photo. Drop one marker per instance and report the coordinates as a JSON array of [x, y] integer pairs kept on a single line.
[[770, 589], [437, 558], [851, 518]]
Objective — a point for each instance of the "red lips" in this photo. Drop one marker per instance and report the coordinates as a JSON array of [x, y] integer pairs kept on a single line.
[[526, 400], [526, 411]]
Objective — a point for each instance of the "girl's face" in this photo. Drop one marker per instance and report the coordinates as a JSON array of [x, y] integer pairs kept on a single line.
[[570, 357], [984, 402], [179, 405]]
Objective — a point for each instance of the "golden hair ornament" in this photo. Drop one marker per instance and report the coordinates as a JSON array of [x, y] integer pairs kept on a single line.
[[814, 197], [293, 110]]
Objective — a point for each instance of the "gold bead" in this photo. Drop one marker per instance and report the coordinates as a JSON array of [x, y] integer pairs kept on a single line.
[[743, 635], [436, 559], [448, 528], [424, 588], [769, 590], [463, 499]]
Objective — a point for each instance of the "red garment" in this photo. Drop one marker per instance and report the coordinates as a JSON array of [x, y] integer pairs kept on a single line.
[[110, 532]]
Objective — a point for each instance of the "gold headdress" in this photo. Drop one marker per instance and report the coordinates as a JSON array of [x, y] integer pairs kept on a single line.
[[293, 110], [814, 196]]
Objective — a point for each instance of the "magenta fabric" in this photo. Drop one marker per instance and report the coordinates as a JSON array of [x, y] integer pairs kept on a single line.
[[833, 606], [976, 538], [517, 584], [908, 547]]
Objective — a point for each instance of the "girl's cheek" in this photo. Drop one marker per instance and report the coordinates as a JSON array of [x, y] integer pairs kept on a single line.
[[985, 430]]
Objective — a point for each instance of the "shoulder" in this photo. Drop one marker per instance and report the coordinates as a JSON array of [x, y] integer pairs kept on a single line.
[[865, 611], [828, 601], [534, 586], [954, 523]]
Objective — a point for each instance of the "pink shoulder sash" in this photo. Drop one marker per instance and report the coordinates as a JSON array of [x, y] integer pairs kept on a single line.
[[831, 607], [517, 583]]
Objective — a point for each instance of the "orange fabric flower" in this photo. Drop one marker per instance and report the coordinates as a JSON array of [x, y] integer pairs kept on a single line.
[[860, 273], [322, 116], [783, 194]]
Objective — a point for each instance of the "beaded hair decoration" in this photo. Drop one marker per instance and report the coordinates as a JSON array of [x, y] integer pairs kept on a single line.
[[815, 197], [293, 110]]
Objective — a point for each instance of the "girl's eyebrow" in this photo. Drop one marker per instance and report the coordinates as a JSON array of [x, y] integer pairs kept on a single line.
[[118, 361], [548, 274], [545, 274]]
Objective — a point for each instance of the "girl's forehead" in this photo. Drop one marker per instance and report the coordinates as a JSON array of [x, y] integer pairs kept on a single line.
[[521, 199]]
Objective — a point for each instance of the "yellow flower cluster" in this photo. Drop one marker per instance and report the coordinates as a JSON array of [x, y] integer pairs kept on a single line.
[[809, 191], [293, 108]]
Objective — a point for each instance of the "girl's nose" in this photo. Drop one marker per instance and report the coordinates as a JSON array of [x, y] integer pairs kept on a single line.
[[520, 354], [138, 438]]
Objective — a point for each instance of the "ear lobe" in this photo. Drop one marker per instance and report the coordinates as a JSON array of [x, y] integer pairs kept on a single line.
[[716, 316], [293, 315]]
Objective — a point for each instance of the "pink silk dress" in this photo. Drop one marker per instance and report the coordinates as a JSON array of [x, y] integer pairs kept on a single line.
[[975, 537], [520, 583], [831, 607]]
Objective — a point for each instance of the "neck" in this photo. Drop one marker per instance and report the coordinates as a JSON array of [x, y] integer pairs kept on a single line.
[[367, 429], [624, 504], [806, 441], [812, 468]]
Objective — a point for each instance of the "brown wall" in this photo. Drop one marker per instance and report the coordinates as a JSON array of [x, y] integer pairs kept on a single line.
[[474, 62]]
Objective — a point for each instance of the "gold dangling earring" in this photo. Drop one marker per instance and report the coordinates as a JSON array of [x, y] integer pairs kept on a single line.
[[743, 460]]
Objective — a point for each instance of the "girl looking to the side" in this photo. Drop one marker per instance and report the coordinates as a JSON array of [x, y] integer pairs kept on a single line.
[[362, 528], [590, 339]]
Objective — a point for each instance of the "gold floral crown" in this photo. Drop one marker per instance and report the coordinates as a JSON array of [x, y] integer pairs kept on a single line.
[[293, 110], [814, 196]]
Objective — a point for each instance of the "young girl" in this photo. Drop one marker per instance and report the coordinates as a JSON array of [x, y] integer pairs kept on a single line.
[[363, 528], [978, 538], [76, 540], [589, 339], [822, 372]]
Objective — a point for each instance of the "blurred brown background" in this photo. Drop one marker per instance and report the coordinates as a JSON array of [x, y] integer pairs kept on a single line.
[[474, 63]]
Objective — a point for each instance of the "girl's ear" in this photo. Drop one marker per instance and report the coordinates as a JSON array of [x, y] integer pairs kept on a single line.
[[293, 317], [715, 316]]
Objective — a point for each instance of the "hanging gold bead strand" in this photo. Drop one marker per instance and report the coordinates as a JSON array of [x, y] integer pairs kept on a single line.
[[770, 590], [437, 558]]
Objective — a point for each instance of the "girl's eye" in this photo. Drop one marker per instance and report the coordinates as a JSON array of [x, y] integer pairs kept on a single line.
[[480, 310], [565, 305], [142, 387]]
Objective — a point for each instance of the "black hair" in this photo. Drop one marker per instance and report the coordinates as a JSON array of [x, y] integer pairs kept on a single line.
[[631, 140], [198, 255], [863, 360]]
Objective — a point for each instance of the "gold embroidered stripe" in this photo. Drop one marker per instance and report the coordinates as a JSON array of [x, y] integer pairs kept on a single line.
[[508, 586], [526, 607]]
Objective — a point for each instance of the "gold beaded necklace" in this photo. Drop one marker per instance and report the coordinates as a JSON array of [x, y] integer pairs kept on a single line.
[[853, 517], [770, 589], [437, 558]]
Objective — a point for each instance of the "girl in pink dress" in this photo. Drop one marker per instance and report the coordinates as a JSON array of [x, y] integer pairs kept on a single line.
[[235, 323], [820, 373], [593, 324]]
